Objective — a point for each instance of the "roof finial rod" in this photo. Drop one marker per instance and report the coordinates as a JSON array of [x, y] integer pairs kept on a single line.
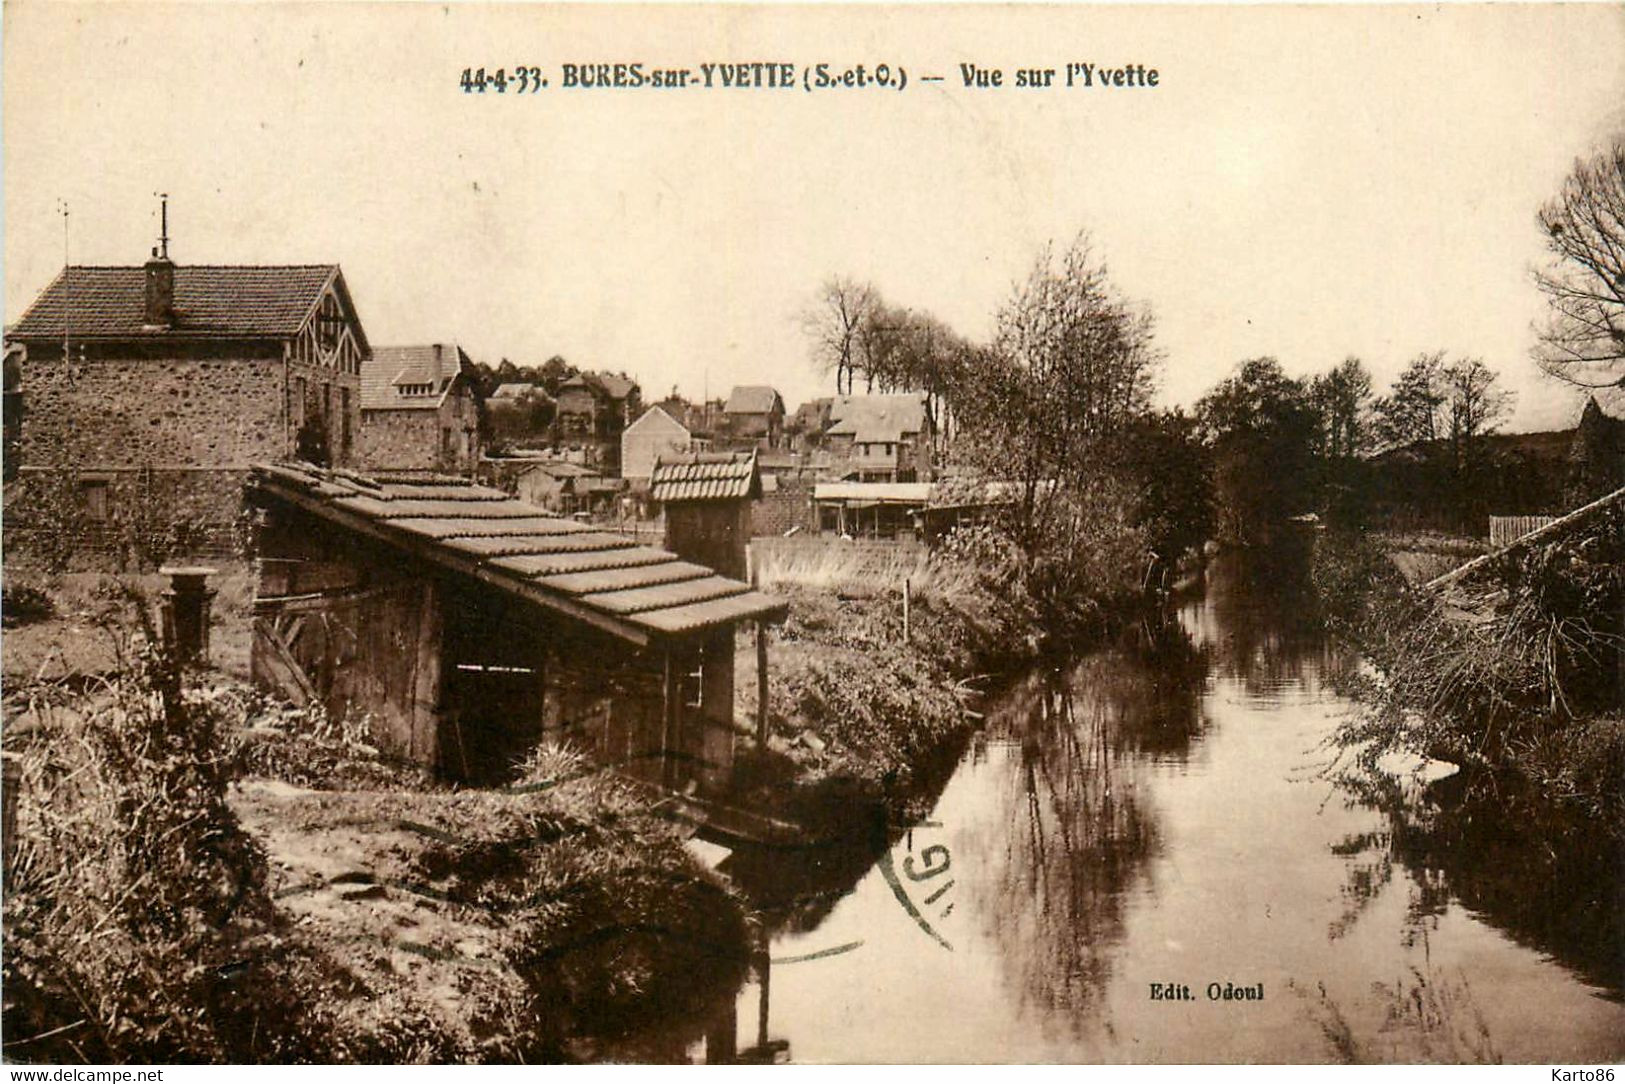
[[163, 232]]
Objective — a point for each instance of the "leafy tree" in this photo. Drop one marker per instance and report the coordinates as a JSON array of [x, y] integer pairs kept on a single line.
[[1263, 428], [1583, 340], [1342, 398], [1413, 409]]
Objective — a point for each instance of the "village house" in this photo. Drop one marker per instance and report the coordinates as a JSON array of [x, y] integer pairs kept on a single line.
[[148, 391], [419, 410], [804, 429], [879, 438], [754, 415], [593, 411], [654, 434], [552, 484]]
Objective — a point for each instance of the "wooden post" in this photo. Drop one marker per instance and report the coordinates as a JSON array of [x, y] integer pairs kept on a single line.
[[761, 684], [423, 739], [907, 598], [670, 695], [764, 969]]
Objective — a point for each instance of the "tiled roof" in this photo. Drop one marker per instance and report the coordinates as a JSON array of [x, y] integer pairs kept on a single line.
[[519, 391], [877, 419], [752, 399], [705, 476], [110, 302], [576, 569], [615, 387], [392, 367]]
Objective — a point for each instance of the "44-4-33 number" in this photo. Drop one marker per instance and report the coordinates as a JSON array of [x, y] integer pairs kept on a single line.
[[521, 79]]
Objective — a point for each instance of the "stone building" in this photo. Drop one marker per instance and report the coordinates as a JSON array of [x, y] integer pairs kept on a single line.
[[420, 410], [148, 391]]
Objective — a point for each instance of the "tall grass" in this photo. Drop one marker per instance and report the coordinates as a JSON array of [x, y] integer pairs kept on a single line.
[[860, 569]]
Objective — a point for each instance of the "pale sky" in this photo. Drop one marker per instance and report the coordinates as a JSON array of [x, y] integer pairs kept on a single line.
[[1304, 182]]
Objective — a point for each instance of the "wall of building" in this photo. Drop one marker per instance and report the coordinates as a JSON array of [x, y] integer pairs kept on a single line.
[[127, 518], [790, 505], [714, 534], [166, 433], [647, 439], [399, 440]]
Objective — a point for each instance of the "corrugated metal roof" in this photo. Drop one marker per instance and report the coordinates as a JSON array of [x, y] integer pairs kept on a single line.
[[705, 476], [637, 591], [877, 492]]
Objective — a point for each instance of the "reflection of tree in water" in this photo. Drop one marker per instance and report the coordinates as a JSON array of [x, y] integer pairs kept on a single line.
[[1079, 835], [1530, 869], [1259, 619]]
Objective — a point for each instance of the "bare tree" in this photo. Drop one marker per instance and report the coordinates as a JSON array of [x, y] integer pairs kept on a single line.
[[836, 323], [1583, 340], [1473, 405], [1071, 364]]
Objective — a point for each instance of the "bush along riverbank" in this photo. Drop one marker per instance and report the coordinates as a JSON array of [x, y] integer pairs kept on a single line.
[[1515, 674], [865, 715], [180, 892]]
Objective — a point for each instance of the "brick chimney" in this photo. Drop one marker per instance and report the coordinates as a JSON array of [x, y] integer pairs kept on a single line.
[[160, 310]]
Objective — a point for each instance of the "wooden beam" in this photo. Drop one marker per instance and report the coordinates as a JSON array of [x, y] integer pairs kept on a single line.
[[1551, 530], [761, 684], [670, 719]]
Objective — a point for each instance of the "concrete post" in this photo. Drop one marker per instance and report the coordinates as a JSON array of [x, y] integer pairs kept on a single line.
[[185, 611]]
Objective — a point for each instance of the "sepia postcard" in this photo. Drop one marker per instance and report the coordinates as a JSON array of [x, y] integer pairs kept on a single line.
[[813, 534]]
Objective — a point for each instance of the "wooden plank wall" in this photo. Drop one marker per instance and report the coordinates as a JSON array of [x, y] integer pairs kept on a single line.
[[1507, 529]]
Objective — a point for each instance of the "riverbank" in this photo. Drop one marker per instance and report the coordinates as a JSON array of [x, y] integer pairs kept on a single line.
[[874, 680], [1515, 676], [202, 874]]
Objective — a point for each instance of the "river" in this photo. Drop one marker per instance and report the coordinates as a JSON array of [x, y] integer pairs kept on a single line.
[[1154, 821]]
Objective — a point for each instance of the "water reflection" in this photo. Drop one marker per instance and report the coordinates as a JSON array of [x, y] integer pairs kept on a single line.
[[1151, 812], [1533, 871]]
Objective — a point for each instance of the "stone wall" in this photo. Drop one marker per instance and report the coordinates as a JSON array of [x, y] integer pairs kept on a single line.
[[124, 519], [417, 439], [208, 405], [400, 440], [143, 448]]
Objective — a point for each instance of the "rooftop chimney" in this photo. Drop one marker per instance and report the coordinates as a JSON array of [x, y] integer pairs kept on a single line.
[[160, 308]]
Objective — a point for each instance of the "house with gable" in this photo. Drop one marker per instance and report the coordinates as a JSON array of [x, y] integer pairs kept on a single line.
[[420, 410], [654, 434], [754, 415], [593, 411], [146, 392], [879, 438]]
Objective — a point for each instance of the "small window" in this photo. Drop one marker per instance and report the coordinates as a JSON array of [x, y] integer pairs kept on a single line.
[[94, 493]]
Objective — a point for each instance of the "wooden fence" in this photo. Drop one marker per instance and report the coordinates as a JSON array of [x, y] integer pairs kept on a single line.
[[1505, 530]]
